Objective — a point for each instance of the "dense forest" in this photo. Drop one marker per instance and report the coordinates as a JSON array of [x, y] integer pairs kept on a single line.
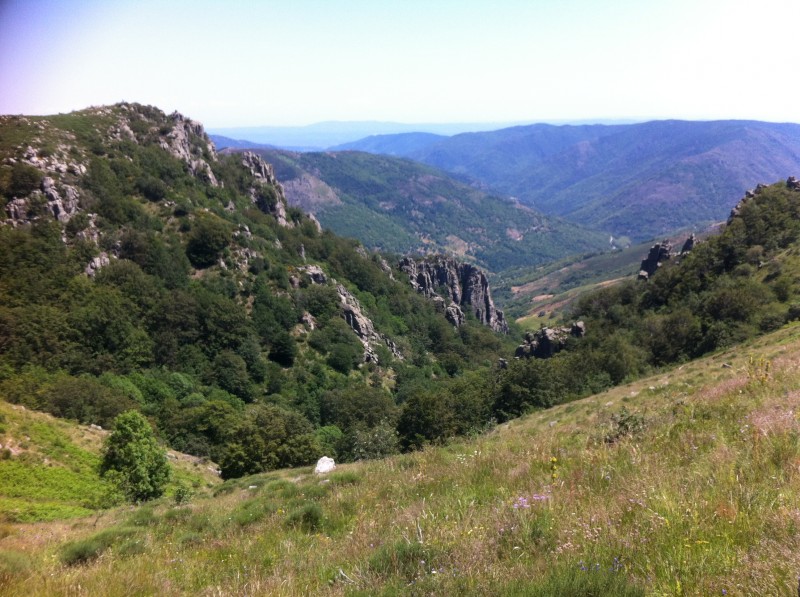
[[178, 284]]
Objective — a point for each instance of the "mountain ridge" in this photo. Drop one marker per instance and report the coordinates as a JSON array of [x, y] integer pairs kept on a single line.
[[638, 180]]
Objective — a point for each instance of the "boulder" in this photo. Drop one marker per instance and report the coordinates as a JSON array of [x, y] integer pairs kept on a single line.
[[324, 465], [546, 342]]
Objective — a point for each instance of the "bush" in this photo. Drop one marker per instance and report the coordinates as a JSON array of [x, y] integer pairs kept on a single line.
[[132, 453], [208, 237], [86, 550], [308, 518]]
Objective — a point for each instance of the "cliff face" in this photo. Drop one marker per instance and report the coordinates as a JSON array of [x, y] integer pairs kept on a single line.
[[457, 286]]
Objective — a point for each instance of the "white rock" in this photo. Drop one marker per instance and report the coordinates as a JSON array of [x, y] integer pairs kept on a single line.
[[324, 465]]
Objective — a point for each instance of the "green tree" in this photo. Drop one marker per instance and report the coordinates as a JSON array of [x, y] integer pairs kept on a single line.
[[133, 456]]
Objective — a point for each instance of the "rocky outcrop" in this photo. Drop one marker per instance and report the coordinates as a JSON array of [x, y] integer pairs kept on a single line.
[[461, 286], [266, 192], [187, 141], [21, 210], [659, 253], [688, 245], [353, 314], [548, 341]]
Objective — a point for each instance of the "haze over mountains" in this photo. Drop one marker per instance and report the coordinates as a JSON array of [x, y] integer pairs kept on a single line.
[[639, 180]]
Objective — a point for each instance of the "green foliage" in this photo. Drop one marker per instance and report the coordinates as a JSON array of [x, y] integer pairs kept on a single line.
[[86, 550], [133, 453], [23, 180], [13, 564], [209, 236], [308, 517]]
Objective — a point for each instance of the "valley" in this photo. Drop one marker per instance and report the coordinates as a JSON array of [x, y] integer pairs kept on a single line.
[[148, 276]]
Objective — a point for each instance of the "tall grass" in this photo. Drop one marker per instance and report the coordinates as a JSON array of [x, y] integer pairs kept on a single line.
[[697, 494]]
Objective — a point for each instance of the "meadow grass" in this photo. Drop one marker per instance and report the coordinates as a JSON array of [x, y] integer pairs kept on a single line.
[[697, 494]]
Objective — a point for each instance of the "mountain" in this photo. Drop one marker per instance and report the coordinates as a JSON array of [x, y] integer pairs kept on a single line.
[[143, 270], [637, 180], [397, 205], [323, 135], [221, 143], [399, 144]]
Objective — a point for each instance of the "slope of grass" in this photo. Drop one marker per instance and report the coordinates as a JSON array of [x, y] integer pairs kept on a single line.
[[48, 468], [682, 484]]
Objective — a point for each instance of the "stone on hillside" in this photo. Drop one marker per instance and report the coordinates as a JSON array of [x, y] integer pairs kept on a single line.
[[659, 253], [546, 342], [689, 244], [324, 465]]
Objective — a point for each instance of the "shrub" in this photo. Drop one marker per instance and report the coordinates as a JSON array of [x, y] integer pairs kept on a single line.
[[132, 452], [308, 517], [208, 237], [86, 550], [252, 511]]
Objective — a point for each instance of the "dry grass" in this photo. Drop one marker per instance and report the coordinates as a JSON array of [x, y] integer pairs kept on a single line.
[[703, 500]]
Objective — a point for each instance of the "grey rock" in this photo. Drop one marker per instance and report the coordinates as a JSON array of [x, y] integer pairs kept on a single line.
[[689, 244], [96, 264], [546, 342], [353, 314], [659, 253], [462, 283], [265, 176], [314, 273]]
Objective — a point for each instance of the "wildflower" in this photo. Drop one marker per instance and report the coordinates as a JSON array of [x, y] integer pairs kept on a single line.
[[521, 502]]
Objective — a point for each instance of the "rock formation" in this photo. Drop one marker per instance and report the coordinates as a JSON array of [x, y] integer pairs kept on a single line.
[[688, 245], [659, 253], [548, 341], [181, 142], [353, 314], [260, 193], [463, 285]]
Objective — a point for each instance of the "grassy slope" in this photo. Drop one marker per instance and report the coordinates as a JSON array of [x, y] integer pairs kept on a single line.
[[48, 467], [703, 500]]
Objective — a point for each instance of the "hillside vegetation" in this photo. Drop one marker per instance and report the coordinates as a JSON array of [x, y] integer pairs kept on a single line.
[[638, 180], [395, 205], [142, 271], [682, 484]]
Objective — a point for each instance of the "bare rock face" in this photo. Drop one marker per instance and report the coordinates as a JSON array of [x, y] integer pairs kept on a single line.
[[659, 253], [259, 193], [548, 341], [688, 245], [464, 286], [353, 314], [62, 208], [181, 142]]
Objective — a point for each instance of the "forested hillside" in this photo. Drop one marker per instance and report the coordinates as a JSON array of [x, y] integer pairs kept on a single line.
[[143, 271], [394, 204], [639, 180]]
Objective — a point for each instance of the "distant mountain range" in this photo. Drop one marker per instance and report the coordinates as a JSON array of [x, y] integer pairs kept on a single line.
[[324, 135], [636, 180], [401, 206]]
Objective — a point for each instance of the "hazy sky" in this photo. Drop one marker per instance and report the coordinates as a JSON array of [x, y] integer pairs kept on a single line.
[[293, 62]]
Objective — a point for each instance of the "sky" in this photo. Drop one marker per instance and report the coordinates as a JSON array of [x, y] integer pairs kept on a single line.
[[234, 63]]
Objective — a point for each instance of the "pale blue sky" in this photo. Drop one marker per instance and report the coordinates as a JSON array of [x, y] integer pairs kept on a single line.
[[294, 62]]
